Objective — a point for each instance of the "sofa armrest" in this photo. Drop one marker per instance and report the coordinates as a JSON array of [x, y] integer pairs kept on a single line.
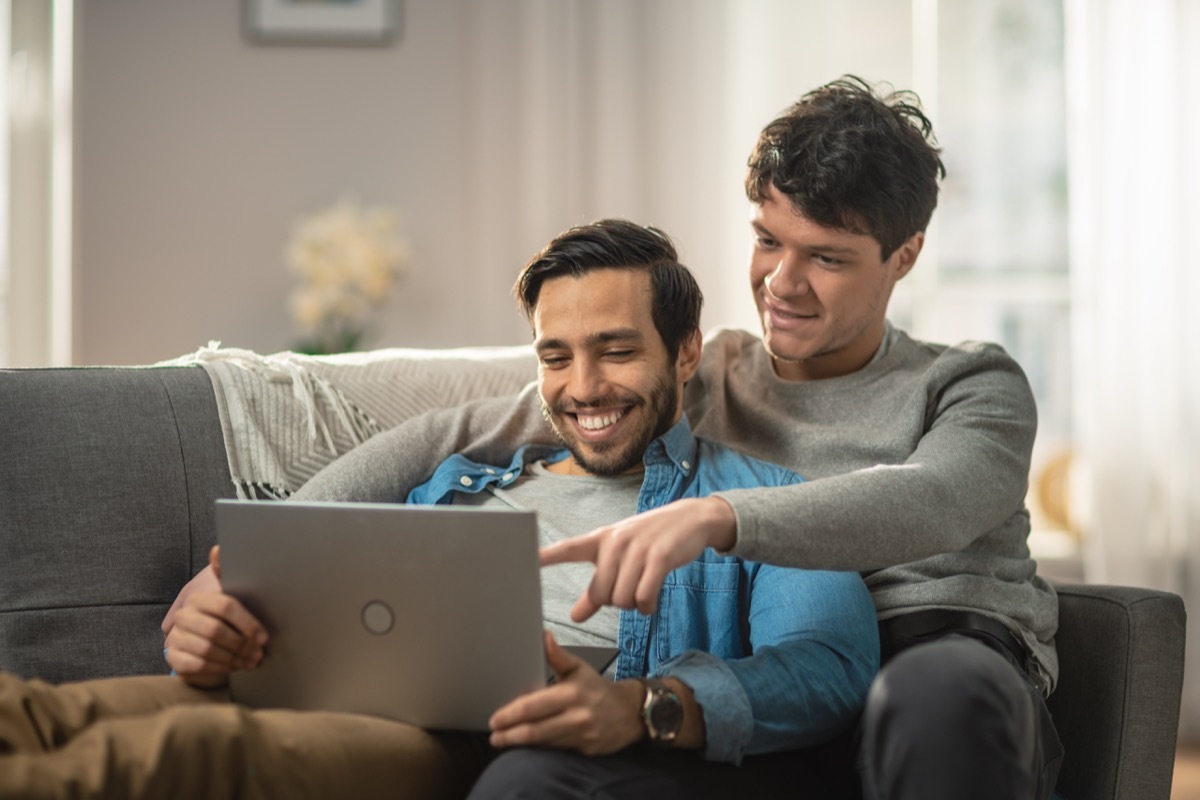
[[1116, 707], [106, 510]]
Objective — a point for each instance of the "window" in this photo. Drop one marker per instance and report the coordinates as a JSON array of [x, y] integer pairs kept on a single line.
[[5, 80], [36, 182], [996, 269]]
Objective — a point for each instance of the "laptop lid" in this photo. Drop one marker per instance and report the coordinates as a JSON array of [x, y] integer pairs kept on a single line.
[[428, 615]]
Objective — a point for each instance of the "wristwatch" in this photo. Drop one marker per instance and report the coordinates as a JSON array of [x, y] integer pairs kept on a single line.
[[662, 711]]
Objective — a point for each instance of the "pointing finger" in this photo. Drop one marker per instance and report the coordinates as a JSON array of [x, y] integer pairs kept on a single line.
[[584, 608], [578, 548]]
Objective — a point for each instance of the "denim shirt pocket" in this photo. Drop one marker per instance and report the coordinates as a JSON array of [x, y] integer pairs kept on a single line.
[[700, 608]]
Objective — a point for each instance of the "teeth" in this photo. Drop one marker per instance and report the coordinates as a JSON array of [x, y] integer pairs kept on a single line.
[[597, 423]]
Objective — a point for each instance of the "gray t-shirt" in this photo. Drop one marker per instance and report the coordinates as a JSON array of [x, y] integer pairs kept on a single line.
[[567, 505]]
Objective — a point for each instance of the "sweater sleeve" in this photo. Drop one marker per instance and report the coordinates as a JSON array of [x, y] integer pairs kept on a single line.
[[965, 477], [385, 468]]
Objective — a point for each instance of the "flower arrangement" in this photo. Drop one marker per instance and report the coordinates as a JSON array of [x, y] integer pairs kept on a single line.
[[347, 257]]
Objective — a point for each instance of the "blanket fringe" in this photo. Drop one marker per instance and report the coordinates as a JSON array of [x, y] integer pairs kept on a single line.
[[307, 388], [256, 490], [286, 416]]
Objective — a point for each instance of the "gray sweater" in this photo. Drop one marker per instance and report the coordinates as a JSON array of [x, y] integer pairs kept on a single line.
[[917, 464]]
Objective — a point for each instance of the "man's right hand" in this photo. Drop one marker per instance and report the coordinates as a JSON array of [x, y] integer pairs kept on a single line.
[[213, 635]]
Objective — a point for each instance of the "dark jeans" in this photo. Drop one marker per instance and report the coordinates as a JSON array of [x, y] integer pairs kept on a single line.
[[956, 716], [948, 717], [643, 771]]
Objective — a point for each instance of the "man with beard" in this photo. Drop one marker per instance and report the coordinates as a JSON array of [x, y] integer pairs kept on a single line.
[[743, 649], [742, 659]]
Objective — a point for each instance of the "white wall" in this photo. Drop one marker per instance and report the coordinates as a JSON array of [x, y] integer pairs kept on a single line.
[[490, 125]]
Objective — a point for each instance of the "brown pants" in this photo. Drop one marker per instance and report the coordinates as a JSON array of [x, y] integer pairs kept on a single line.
[[156, 737]]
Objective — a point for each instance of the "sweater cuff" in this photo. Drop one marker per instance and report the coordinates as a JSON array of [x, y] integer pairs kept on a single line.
[[745, 529]]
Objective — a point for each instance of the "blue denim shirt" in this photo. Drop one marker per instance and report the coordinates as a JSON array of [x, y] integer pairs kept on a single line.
[[777, 658]]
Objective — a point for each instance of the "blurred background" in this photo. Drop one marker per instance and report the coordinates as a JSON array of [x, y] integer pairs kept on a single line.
[[160, 157]]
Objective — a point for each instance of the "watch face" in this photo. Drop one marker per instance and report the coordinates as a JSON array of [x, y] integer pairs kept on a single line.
[[664, 714]]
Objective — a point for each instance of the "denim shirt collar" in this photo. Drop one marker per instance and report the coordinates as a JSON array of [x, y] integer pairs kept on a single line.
[[670, 458], [677, 446]]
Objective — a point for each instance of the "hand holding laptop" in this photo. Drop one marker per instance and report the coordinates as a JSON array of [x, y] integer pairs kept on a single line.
[[203, 581], [213, 635], [581, 710]]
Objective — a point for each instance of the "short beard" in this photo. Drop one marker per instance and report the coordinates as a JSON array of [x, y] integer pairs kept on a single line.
[[661, 405]]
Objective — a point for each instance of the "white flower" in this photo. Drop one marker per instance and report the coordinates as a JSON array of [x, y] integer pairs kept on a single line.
[[308, 308], [347, 258]]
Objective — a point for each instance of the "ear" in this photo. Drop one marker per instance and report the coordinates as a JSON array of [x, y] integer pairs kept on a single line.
[[906, 254], [688, 359]]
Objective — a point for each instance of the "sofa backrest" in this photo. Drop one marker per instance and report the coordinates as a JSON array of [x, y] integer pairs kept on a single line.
[[110, 476], [106, 509]]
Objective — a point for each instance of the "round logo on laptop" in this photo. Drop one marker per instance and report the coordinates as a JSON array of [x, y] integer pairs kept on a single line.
[[377, 617]]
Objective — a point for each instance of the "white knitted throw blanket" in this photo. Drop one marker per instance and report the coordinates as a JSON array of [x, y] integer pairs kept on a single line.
[[285, 416]]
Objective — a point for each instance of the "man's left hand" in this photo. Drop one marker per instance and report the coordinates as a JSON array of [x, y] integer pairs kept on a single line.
[[203, 581], [634, 555], [582, 711]]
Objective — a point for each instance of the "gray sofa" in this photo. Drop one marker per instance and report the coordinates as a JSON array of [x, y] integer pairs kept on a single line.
[[107, 486]]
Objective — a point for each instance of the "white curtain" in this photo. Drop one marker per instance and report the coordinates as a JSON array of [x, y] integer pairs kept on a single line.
[[646, 110], [1133, 91]]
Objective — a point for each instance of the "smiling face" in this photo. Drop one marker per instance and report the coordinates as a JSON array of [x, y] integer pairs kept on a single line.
[[821, 293], [607, 383]]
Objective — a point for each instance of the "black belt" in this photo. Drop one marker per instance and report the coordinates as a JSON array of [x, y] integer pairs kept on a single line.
[[897, 633]]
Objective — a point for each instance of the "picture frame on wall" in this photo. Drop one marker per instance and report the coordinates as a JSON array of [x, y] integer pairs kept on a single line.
[[347, 22]]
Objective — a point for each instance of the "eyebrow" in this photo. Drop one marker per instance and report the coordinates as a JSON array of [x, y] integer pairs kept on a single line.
[[593, 339], [820, 248]]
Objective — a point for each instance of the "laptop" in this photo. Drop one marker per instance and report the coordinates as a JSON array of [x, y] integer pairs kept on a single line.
[[430, 615]]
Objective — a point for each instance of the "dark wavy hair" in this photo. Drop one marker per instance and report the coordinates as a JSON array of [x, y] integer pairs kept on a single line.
[[850, 157], [676, 298]]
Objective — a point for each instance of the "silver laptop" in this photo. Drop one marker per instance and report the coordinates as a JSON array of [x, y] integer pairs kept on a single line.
[[428, 615]]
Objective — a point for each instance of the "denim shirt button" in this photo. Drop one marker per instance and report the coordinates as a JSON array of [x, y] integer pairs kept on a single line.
[[465, 480]]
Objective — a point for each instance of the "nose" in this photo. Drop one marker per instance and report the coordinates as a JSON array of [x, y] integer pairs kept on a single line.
[[786, 279], [587, 380]]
